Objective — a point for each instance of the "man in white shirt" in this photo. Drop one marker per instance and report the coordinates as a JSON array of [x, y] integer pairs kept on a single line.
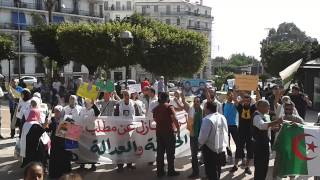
[[153, 102], [211, 96], [261, 139], [73, 109], [213, 139]]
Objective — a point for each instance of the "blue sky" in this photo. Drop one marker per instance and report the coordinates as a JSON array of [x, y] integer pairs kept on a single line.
[[240, 25]]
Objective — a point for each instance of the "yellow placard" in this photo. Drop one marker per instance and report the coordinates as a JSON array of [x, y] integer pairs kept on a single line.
[[86, 91], [12, 91], [246, 82]]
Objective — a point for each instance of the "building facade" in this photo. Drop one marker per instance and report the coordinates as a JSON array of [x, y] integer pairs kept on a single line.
[[18, 15]]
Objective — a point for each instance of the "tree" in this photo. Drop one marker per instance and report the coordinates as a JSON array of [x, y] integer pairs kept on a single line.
[[100, 45], [174, 52], [7, 49], [44, 39], [237, 60], [286, 45]]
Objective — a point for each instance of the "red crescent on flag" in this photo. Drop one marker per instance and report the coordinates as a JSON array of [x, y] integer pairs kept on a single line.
[[295, 142]]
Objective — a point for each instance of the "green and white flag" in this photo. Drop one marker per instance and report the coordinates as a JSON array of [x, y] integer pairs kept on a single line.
[[288, 73], [298, 148]]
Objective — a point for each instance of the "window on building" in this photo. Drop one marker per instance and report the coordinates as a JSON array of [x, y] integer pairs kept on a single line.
[[106, 6], [39, 4], [128, 5], [75, 6], [91, 9], [168, 21], [58, 6], [189, 9], [155, 8], [206, 12], [39, 65], [168, 9], [206, 24], [101, 11], [178, 22], [198, 24], [189, 22], [178, 8], [118, 6], [144, 10]]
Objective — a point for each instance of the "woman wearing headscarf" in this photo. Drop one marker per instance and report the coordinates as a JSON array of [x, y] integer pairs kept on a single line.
[[23, 107], [34, 139], [60, 159]]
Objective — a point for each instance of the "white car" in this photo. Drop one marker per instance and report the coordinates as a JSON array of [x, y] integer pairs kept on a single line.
[[29, 80]]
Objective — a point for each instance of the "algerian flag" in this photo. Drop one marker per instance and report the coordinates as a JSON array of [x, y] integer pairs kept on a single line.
[[298, 149], [288, 73]]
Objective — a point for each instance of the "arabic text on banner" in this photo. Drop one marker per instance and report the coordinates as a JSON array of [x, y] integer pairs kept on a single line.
[[113, 140]]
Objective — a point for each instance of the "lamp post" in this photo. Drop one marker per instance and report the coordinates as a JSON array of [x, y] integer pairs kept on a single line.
[[126, 40], [19, 41]]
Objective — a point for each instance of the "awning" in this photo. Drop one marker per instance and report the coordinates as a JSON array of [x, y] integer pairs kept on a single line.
[[19, 20], [58, 19]]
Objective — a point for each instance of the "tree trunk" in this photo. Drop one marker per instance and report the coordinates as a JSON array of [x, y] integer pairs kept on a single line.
[[50, 15]]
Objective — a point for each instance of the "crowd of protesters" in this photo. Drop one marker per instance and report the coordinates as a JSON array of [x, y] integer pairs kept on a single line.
[[211, 124]]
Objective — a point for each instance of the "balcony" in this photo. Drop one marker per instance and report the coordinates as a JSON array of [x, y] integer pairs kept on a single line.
[[199, 28], [28, 49], [38, 6], [190, 13], [80, 12], [13, 26]]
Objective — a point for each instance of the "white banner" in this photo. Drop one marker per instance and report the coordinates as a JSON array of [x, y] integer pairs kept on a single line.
[[113, 139]]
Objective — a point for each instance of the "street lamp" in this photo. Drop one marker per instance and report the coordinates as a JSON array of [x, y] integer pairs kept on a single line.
[[126, 40]]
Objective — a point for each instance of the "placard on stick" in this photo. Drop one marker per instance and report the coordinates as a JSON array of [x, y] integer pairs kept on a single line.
[[246, 82]]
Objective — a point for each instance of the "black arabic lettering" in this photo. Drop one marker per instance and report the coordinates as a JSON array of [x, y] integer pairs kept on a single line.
[[150, 145]]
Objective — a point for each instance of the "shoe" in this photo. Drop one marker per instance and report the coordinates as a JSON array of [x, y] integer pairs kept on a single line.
[[193, 176], [161, 174], [248, 171], [93, 167], [233, 169], [81, 166], [1, 137], [173, 173]]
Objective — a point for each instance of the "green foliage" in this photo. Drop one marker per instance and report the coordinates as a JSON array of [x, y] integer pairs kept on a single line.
[[37, 19], [221, 77], [175, 52], [285, 46], [159, 48], [237, 60], [6, 47], [100, 44], [44, 38]]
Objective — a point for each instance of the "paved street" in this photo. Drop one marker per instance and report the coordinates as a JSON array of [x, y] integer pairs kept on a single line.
[[9, 166]]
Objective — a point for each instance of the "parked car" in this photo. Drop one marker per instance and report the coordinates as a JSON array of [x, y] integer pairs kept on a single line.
[[29, 80]]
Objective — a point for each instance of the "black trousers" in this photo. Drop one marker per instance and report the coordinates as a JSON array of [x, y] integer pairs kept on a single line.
[[194, 146], [233, 130], [165, 144], [211, 163], [13, 131], [261, 160], [245, 140]]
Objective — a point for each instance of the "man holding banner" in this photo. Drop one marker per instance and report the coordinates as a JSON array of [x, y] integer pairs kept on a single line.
[[165, 117]]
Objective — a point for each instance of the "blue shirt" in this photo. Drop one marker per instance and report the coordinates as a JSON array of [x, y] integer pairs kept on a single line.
[[230, 112]]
